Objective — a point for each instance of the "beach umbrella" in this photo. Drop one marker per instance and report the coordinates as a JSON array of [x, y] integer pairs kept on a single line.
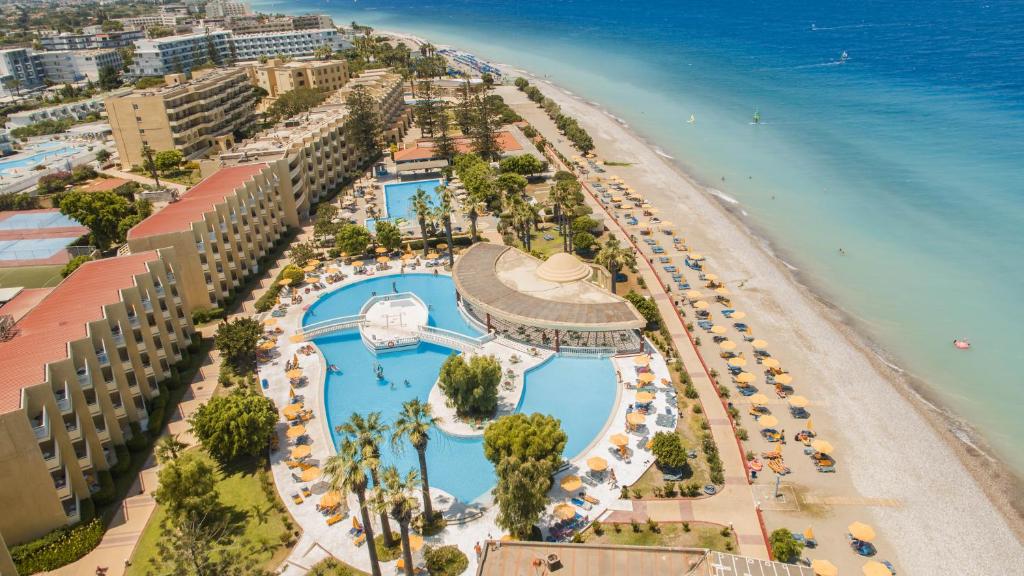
[[824, 568], [744, 377], [432, 255], [646, 377], [292, 410], [810, 424], [798, 401], [508, 538], [619, 440], [301, 451], [268, 345], [759, 344], [809, 533], [770, 363], [738, 361], [635, 418], [597, 464], [768, 421], [701, 305], [381, 250], [727, 345], [383, 259], [738, 315], [313, 262], [441, 246], [294, 373], [295, 431], [711, 277], [723, 291], [296, 338], [822, 446], [644, 397], [783, 379], [759, 399], [415, 542], [861, 531], [330, 499], [408, 256], [285, 282], [693, 294], [696, 256], [308, 268], [310, 474], [571, 483], [875, 568], [333, 270], [718, 329], [564, 511], [642, 360]]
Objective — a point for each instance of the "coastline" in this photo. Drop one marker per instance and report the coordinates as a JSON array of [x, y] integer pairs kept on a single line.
[[808, 306]]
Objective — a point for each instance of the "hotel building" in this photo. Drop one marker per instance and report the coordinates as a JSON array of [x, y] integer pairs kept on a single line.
[[83, 366], [69, 41], [79, 110], [19, 71], [225, 8], [67, 66], [277, 77], [171, 54], [191, 116], [292, 43]]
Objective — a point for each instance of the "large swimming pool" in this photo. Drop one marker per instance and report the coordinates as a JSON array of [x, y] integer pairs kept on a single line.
[[398, 199], [41, 155], [580, 392]]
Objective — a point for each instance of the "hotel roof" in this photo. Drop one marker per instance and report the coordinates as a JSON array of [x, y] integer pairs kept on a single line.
[[42, 335], [200, 199]]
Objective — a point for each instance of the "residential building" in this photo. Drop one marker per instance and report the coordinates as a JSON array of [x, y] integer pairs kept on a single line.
[[312, 22], [69, 41], [148, 21], [387, 89], [226, 8], [79, 110], [277, 77], [67, 66], [220, 230], [6, 146], [193, 116], [294, 43], [19, 71], [259, 24], [175, 54], [82, 365]]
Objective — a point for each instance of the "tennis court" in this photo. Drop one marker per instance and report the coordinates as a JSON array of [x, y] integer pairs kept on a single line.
[[37, 220], [34, 248]]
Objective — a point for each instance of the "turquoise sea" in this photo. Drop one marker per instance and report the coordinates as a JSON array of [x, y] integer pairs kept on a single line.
[[909, 155]]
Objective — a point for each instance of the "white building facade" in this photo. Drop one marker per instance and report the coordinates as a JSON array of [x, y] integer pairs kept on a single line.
[[19, 71], [294, 44], [65, 66], [160, 56]]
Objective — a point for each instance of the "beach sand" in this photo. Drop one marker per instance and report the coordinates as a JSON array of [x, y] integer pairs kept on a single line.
[[895, 448]]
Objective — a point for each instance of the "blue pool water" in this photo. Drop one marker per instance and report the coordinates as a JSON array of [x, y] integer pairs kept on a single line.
[[398, 199], [45, 152], [456, 465], [37, 220]]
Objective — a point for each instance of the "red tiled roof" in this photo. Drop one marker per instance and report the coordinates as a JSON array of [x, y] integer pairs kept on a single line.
[[506, 143], [412, 154], [197, 201], [24, 302], [105, 185], [42, 335]]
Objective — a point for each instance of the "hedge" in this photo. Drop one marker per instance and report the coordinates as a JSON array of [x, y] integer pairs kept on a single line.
[[58, 548], [138, 442], [445, 561], [106, 493], [124, 460], [204, 315]]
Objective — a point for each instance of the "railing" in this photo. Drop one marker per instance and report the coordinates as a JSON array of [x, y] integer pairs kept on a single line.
[[587, 351], [389, 297], [331, 326], [452, 340], [389, 344], [520, 346]]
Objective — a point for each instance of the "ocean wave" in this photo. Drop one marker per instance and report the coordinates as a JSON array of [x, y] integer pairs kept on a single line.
[[662, 153], [788, 265], [723, 196]]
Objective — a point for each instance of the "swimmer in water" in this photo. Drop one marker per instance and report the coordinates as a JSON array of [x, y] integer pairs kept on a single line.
[[842, 252], [407, 383]]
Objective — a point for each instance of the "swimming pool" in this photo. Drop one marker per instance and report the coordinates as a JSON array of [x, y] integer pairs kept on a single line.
[[578, 391], [43, 153], [398, 199]]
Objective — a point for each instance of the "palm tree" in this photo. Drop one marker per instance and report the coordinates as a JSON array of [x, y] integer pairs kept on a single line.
[[346, 473], [421, 208], [402, 506], [615, 257], [368, 434], [413, 424], [444, 215]]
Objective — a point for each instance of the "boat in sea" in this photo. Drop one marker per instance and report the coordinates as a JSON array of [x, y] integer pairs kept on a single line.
[[693, 119], [844, 57], [757, 116]]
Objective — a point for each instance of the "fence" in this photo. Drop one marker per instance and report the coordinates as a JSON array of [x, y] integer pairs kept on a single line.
[[331, 326], [586, 351], [453, 340]]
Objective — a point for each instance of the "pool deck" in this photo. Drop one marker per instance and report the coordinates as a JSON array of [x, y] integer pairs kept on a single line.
[[319, 541]]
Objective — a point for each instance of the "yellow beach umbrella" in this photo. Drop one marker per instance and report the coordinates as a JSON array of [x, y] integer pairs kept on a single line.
[[768, 421], [759, 344], [268, 345], [308, 268], [619, 439], [759, 399], [635, 418], [744, 377], [296, 431], [441, 246], [701, 305], [571, 483], [718, 329], [597, 464], [783, 379], [564, 511], [861, 531], [310, 474], [616, 199], [723, 291], [313, 262], [646, 377], [809, 533], [432, 255], [711, 277], [381, 250], [738, 315], [770, 363], [294, 373], [508, 538], [415, 542], [358, 263], [285, 282], [330, 499], [383, 259], [738, 361], [798, 401], [824, 568], [642, 360], [875, 568], [292, 410], [727, 345], [644, 397], [301, 451], [810, 424], [296, 337], [408, 256], [822, 446], [696, 256], [333, 270], [693, 294]]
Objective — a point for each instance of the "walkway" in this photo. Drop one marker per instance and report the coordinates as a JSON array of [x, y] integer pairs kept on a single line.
[[143, 179]]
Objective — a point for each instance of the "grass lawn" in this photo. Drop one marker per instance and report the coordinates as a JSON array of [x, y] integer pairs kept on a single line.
[[31, 276], [545, 247], [701, 535], [261, 526]]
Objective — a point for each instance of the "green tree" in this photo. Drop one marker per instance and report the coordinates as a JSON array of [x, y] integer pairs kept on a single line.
[[537, 437], [521, 83], [510, 183], [368, 434], [484, 124], [187, 486], [646, 306], [471, 386], [201, 544], [236, 340], [785, 548], [414, 424], [295, 102], [443, 214], [73, 265], [363, 126], [442, 124], [169, 448], [669, 451], [100, 212], [353, 239], [302, 253], [237, 425], [521, 494], [102, 155], [614, 256], [149, 164], [524, 164], [401, 506], [294, 273], [323, 52], [426, 108], [346, 472], [421, 208], [109, 78], [388, 235], [168, 160], [583, 241]]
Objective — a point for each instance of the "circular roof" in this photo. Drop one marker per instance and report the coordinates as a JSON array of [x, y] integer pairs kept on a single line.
[[563, 267]]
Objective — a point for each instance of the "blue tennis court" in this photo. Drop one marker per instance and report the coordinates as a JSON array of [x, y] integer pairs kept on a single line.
[[33, 249], [37, 221]]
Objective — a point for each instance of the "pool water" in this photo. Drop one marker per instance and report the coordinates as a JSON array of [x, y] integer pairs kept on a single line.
[[398, 199], [42, 154], [580, 392]]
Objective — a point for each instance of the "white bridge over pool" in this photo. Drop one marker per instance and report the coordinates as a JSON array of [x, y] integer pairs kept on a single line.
[[395, 322]]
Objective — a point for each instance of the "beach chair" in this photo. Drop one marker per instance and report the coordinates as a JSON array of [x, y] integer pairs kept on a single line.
[[580, 503], [297, 498], [335, 519]]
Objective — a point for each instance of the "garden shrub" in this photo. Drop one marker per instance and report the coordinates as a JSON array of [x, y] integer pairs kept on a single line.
[[58, 548], [106, 493], [445, 561], [138, 442], [204, 315], [124, 460]]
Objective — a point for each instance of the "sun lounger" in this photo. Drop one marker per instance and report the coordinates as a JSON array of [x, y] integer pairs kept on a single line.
[[297, 498], [657, 250], [360, 540], [580, 503]]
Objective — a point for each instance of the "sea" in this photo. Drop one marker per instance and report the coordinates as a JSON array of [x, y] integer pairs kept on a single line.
[[907, 153]]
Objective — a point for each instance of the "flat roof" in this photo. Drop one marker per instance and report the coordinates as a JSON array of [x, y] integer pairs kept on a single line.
[[415, 153], [104, 185], [501, 280], [506, 143], [42, 335], [200, 199]]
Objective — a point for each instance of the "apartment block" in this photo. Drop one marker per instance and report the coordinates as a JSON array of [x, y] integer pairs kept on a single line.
[[293, 43], [69, 41], [225, 8], [19, 71], [67, 66], [82, 364], [193, 116], [312, 22], [277, 77], [219, 230], [386, 88], [259, 24], [79, 110], [176, 54]]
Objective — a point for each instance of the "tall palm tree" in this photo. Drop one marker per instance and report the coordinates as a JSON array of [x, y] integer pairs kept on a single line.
[[413, 424], [444, 215], [473, 212], [402, 506], [422, 209], [346, 473], [368, 434], [615, 257]]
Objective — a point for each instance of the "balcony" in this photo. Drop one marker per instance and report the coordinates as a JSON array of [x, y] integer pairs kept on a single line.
[[133, 319], [73, 511], [64, 403], [41, 426], [147, 305], [118, 339], [84, 460], [159, 290], [60, 482], [101, 355], [83, 377], [52, 459]]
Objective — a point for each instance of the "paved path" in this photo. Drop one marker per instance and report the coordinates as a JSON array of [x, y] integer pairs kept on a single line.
[[142, 179]]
